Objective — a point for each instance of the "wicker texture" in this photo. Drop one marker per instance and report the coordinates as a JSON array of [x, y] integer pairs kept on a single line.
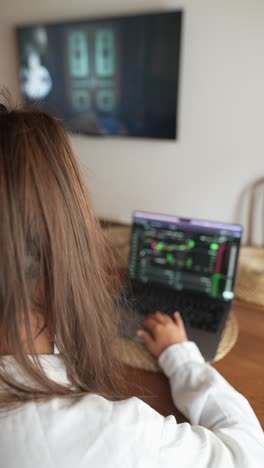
[[136, 355], [250, 283]]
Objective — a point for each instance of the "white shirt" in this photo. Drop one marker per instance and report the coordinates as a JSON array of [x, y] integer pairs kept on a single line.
[[94, 432]]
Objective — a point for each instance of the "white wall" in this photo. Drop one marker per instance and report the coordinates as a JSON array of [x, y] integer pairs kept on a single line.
[[220, 147]]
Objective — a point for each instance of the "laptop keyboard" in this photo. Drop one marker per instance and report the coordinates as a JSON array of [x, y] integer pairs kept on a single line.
[[199, 312]]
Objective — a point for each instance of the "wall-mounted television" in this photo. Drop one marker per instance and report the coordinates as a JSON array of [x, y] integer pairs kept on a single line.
[[105, 76]]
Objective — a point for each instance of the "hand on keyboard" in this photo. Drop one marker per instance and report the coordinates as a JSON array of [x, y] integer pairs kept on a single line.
[[160, 331]]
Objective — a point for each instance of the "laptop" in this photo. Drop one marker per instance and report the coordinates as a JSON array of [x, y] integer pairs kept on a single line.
[[185, 265]]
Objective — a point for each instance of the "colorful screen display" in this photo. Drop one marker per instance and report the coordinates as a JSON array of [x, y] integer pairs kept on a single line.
[[184, 254], [109, 76]]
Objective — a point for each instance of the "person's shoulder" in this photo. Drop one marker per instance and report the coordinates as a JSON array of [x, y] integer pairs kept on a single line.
[[135, 411], [130, 410], [136, 405]]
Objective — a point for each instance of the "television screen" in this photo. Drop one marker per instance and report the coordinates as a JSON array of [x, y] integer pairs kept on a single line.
[[106, 76]]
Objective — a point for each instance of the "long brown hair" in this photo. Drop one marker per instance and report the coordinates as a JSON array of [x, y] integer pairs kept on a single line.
[[53, 260]]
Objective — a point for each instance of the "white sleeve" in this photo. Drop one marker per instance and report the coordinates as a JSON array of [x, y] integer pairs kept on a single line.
[[224, 430]]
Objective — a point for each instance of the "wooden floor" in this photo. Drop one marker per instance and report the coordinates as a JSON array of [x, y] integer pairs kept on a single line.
[[243, 367]]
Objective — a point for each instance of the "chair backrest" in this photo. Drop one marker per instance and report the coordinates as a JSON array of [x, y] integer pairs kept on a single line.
[[253, 201]]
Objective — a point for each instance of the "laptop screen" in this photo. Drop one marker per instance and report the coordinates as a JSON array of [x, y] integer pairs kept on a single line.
[[185, 254]]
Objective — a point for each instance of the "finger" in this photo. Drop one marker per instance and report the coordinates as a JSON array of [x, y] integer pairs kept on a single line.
[[151, 325], [150, 322], [160, 317], [152, 315], [178, 319], [147, 338]]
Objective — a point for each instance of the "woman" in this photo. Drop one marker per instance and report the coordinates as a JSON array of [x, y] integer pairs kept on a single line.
[[57, 288]]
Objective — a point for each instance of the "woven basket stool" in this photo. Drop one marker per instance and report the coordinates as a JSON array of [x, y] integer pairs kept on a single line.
[[136, 355], [250, 282]]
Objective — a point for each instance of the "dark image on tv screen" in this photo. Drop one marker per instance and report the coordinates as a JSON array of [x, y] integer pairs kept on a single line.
[[108, 76]]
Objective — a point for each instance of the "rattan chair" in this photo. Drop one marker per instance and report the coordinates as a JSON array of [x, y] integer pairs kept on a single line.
[[250, 283]]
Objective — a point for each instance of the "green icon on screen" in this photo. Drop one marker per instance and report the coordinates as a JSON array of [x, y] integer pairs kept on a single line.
[[214, 246], [170, 258]]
